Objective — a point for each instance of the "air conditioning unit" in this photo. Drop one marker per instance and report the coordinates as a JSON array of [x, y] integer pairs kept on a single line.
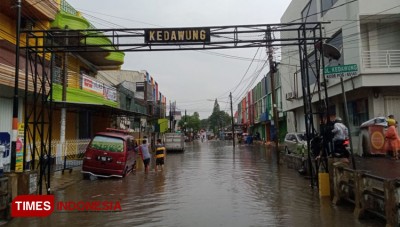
[[290, 95]]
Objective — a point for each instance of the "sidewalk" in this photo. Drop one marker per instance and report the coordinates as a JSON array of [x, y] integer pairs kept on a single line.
[[380, 166], [60, 181]]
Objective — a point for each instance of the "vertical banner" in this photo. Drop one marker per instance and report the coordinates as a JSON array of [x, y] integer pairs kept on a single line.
[[19, 167]]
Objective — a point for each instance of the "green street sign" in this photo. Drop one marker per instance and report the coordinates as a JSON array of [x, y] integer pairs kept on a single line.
[[341, 71]]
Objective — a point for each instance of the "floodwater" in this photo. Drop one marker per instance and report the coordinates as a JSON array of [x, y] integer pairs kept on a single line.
[[209, 184]]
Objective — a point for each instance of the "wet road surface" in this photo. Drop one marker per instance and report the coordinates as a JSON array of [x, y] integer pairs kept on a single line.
[[207, 185]]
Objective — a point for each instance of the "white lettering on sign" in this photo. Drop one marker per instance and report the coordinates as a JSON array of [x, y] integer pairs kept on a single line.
[[90, 84], [338, 75], [178, 35], [33, 205]]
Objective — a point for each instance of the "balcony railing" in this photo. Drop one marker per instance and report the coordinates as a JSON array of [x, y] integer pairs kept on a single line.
[[66, 7], [381, 59]]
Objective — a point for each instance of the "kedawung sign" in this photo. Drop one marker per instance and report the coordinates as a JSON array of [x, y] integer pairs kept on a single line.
[[341, 71], [177, 35]]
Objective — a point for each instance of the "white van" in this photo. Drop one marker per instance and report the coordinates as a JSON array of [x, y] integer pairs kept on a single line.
[[174, 141]]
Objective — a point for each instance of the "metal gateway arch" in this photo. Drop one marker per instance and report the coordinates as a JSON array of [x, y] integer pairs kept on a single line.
[[42, 46]]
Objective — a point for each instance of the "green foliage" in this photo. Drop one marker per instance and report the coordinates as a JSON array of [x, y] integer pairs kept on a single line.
[[192, 121], [218, 119], [204, 124], [108, 146]]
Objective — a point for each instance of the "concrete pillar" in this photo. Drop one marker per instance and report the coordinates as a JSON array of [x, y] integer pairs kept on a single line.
[[339, 176], [391, 203], [331, 176], [359, 202], [12, 184], [27, 183]]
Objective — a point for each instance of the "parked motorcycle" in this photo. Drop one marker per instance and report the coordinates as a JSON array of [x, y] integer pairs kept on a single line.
[[341, 149]]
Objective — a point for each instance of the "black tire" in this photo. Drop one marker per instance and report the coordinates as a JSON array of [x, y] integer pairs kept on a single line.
[[287, 150], [86, 176], [125, 171], [132, 169]]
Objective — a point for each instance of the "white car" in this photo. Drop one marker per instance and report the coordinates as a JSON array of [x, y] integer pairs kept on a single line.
[[295, 143]]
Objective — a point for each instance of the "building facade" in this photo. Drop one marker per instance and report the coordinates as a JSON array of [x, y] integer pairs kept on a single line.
[[35, 16], [367, 33], [142, 93], [255, 110], [83, 101]]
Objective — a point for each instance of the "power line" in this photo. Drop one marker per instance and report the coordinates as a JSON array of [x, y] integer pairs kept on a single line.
[[358, 38], [136, 21], [306, 18], [247, 70], [322, 11], [256, 74]]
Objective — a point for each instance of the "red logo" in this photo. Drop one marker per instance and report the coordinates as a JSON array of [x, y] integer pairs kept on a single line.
[[32, 206]]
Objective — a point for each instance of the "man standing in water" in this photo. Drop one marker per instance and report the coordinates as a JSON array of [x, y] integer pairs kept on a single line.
[[144, 152], [160, 155]]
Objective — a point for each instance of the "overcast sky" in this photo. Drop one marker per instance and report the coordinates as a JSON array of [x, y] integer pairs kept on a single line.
[[190, 78]]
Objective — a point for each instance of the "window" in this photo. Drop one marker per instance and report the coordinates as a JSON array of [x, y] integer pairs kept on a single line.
[[326, 5], [290, 137], [312, 70], [358, 112], [106, 143], [301, 136], [139, 86]]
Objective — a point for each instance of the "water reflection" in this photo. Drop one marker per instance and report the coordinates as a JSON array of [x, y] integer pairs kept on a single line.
[[210, 184]]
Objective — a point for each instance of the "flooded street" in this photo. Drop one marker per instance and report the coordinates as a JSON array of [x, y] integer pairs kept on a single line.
[[207, 185]]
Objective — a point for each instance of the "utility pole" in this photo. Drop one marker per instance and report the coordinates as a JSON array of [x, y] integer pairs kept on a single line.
[[170, 117], [272, 69], [173, 116], [64, 99], [233, 123], [184, 124], [15, 99]]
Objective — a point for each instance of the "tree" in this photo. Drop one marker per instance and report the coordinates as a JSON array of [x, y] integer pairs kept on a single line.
[[204, 124], [215, 118], [219, 119], [192, 121], [226, 119]]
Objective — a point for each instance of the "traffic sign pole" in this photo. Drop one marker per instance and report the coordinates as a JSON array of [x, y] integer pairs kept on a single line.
[[343, 71], [347, 122]]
